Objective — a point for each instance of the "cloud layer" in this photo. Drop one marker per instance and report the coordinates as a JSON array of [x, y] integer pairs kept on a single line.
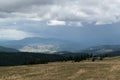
[[90, 11]]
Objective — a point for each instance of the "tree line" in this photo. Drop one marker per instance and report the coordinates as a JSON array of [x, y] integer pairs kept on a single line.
[[25, 58]]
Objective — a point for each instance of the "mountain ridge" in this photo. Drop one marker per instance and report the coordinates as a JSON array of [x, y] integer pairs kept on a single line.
[[6, 49], [37, 44], [102, 49]]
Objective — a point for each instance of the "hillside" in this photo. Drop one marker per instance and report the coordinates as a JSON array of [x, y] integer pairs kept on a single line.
[[5, 49], [20, 58], [109, 69], [25, 58]]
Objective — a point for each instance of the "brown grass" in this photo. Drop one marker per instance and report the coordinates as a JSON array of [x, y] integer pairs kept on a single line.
[[109, 69]]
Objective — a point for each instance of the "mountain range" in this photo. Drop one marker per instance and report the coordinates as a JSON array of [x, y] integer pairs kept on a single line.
[[49, 45], [102, 49], [52, 45]]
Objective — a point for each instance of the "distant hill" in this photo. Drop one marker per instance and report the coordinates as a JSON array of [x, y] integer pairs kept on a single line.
[[102, 49], [4, 49], [36, 44]]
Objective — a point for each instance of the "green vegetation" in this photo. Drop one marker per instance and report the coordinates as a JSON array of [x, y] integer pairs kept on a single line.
[[25, 58], [20, 58]]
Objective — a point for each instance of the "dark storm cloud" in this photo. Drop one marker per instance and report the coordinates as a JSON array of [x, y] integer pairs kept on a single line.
[[20, 8], [16, 5]]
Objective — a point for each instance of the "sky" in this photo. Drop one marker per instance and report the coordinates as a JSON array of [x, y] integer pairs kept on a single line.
[[83, 21]]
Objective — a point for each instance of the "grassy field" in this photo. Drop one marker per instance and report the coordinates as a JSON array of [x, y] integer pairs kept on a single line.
[[108, 69]]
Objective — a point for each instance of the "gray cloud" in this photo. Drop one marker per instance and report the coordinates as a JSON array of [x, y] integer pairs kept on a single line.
[[90, 11], [16, 5]]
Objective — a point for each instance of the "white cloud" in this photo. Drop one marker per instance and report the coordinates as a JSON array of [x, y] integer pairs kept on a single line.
[[12, 34], [56, 23], [78, 24]]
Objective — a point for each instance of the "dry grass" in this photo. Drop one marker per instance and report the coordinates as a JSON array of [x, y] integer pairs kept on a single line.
[[108, 69]]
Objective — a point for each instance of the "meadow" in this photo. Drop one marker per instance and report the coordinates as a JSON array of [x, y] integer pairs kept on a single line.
[[108, 69]]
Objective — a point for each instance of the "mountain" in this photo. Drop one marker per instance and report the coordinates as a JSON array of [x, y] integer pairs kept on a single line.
[[36, 44], [4, 49], [102, 49]]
